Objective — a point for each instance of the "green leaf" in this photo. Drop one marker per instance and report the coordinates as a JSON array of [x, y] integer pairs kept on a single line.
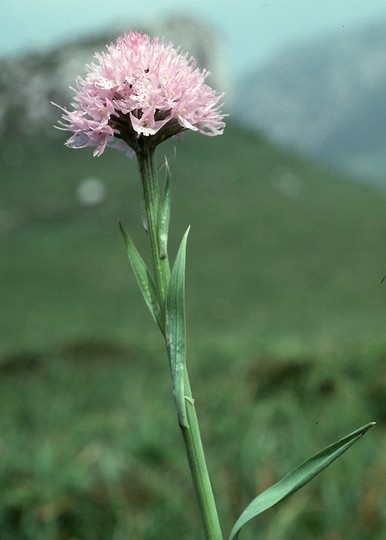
[[297, 478], [144, 279], [175, 329], [164, 215]]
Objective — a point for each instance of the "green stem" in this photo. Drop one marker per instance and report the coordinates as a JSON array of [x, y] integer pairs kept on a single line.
[[151, 193], [198, 468], [190, 432]]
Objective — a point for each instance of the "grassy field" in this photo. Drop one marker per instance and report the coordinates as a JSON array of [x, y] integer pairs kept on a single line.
[[286, 320]]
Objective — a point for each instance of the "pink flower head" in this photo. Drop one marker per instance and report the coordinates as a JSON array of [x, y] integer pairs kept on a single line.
[[139, 92]]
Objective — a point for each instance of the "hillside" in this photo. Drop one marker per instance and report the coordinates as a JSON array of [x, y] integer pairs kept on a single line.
[[286, 316], [325, 97], [281, 253]]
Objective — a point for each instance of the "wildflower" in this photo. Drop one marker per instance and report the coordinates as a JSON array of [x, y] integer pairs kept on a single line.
[[140, 92]]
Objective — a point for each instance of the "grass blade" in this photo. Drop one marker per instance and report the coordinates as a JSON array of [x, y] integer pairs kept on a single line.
[[297, 478], [144, 279], [175, 329]]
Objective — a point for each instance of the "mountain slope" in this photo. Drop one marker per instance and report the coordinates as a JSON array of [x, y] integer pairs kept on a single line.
[[324, 97], [279, 249]]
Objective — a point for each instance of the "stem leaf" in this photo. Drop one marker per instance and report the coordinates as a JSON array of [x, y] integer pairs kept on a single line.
[[175, 329], [164, 215], [297, 478], [144, 279]]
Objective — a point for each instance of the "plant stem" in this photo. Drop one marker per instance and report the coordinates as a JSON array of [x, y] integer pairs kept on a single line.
[[198, 468], [151, 193], [190, 432]]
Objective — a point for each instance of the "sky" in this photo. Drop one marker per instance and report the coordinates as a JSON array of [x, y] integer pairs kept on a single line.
[[252, 30]]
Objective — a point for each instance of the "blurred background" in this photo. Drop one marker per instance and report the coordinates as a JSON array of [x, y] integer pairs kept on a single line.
[[286, 309]]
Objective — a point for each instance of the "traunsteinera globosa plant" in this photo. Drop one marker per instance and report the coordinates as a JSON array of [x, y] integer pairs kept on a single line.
[[137, 94]]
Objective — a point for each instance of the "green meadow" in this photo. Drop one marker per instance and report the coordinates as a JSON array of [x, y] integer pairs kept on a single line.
[[286, 344]]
